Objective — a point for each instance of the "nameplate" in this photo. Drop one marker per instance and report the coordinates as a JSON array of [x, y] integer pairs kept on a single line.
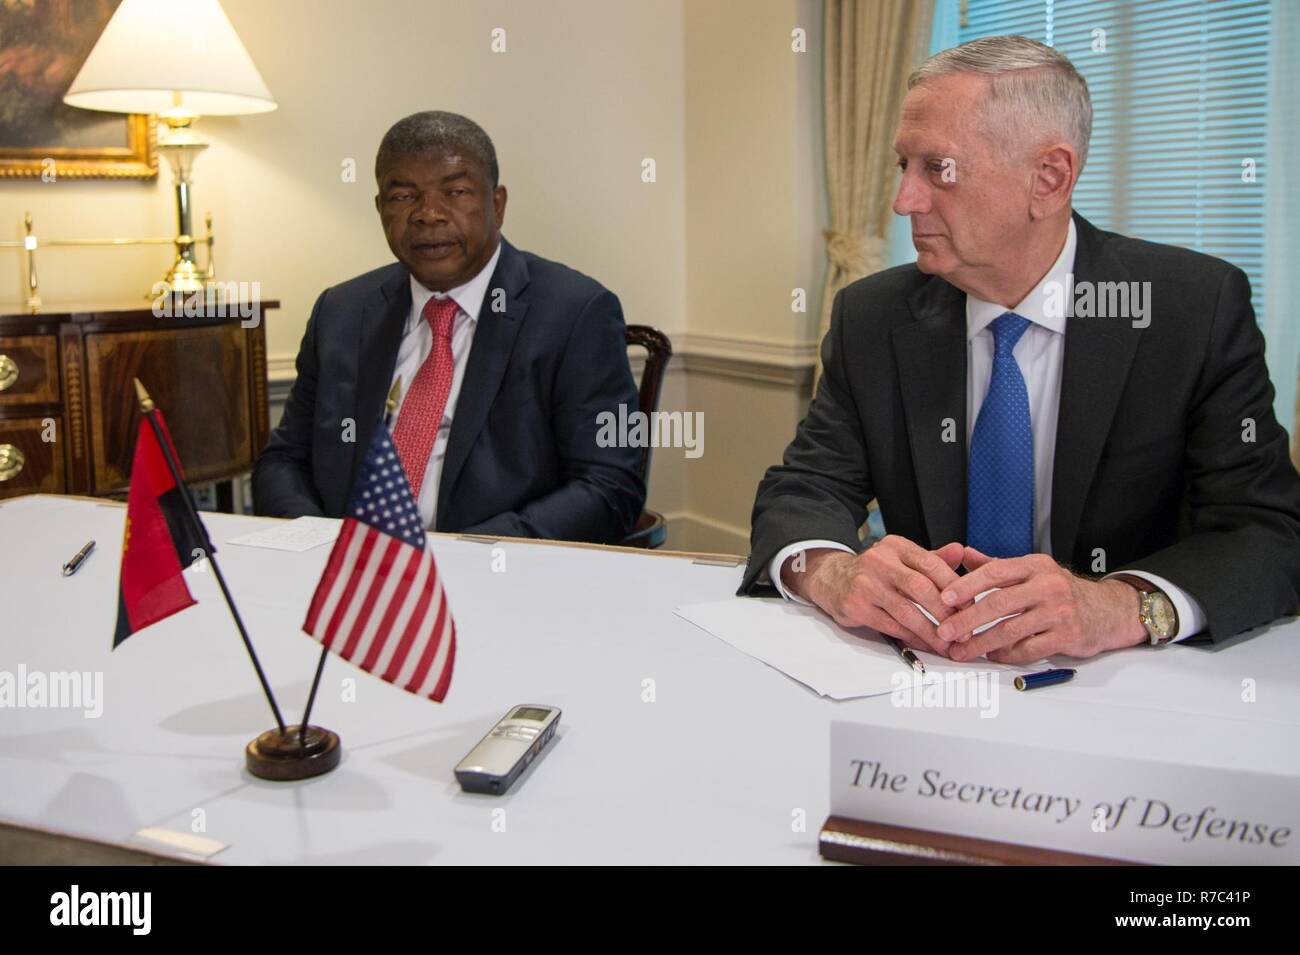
[[1108, 806]]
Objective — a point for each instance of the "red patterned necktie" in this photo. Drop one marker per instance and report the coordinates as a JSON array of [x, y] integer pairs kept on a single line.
[[426, 398]]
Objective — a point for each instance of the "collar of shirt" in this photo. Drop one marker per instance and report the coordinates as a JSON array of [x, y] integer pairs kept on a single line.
[[468, 297], [980, 314]]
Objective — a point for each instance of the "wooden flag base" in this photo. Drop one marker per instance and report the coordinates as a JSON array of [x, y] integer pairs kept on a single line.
[[873, 843], [282, 756]]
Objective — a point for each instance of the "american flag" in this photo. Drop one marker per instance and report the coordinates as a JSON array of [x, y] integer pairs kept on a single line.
[[380, 602]]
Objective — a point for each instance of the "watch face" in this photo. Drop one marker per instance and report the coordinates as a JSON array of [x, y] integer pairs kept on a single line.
[[1163, 617]]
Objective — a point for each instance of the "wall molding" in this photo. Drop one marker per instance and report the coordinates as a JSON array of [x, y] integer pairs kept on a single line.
[[763, 351], [281, 370], [745, 358], [737, 357]]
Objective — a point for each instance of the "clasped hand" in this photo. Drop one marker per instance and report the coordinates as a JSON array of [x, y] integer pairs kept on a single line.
[[1036, 607]]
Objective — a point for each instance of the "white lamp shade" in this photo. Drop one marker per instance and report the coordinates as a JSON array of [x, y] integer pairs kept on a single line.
[[153, 48]]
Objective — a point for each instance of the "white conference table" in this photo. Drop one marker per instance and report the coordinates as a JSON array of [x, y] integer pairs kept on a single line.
[[719, 768]]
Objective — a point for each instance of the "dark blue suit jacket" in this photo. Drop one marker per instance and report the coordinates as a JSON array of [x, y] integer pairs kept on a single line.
[[522, 459]]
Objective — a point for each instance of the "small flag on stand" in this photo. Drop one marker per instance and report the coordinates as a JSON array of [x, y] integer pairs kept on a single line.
[[163, 536], [380, 602], [160, 540]]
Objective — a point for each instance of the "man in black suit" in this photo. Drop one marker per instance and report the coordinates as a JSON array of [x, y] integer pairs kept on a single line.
[[1110, 471], [505, 360]]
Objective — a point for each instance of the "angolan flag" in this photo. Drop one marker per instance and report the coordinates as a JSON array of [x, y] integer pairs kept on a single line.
[[380, 602], [159, 540]]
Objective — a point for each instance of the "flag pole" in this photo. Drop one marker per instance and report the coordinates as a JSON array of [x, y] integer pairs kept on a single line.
[[147, 409], [390, 405], [311, 697]]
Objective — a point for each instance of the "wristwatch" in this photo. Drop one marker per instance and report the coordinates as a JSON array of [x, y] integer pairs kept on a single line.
[[1155, 610]]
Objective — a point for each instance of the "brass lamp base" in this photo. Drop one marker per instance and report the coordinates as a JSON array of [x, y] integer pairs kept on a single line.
[[182, 148], [183, 276]]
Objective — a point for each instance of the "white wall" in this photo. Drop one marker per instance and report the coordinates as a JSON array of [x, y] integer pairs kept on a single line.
[[755, 211]]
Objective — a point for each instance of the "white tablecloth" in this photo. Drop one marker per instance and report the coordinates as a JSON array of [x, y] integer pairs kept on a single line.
[[729, 763]]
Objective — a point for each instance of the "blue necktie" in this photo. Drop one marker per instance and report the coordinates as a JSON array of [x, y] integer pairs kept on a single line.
[[1000, 494]]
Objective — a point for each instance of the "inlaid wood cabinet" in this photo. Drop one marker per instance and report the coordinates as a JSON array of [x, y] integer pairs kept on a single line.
[[68, 410]]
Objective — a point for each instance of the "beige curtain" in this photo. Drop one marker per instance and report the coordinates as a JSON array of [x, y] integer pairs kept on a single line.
[[871, 48]]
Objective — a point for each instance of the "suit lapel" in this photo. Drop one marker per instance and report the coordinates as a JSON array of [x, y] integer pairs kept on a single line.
[[931, 357], [378, 339], [494, 340], [1098, 355]]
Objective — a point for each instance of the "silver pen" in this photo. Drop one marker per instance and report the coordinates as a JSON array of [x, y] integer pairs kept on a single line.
[[904, 651], [78, 559]]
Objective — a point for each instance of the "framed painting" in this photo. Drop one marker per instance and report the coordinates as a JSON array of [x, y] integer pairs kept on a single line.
[[42, 46]]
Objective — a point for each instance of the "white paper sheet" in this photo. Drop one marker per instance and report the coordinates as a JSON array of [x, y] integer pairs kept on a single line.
[[807, 646], [298, 535], [187, 844]]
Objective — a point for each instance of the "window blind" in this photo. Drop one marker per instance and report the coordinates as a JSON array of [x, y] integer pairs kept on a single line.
[[1180, 104]]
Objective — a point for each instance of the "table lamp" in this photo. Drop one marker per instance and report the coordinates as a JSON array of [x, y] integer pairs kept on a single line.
[[179, 59]]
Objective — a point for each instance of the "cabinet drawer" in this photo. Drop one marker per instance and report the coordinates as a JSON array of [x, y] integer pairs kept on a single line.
[[29, 370], [29, 464]]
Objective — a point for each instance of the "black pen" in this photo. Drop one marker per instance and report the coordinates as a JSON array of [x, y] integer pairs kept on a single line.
[[72, 566], [904, 651]]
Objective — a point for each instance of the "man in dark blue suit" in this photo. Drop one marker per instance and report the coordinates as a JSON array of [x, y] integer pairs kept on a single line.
[[504, 362]]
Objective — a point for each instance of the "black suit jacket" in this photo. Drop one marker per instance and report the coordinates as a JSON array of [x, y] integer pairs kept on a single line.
[[522, 458], [1152, 464]]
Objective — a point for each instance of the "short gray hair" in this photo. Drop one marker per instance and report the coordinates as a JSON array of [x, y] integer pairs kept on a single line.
[[1034, 90], [435, 131]]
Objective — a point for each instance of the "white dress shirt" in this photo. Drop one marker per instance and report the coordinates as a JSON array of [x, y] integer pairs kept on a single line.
[[417, 342], [1040, 353]]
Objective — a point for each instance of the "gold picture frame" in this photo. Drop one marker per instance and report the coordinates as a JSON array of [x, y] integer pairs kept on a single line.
[[137, 160], [44, 46]]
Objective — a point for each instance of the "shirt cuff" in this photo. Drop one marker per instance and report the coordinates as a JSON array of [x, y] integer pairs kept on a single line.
[[785, 553], [1191, 616]]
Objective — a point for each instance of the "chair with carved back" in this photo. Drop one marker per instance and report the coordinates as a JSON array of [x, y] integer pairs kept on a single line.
[[651, 529]]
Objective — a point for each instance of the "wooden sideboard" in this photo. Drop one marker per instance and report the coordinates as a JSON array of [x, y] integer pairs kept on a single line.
[[68, 411]]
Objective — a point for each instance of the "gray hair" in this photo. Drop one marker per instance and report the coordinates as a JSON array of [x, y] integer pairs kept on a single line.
[[438, 132], [1034, 90]]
